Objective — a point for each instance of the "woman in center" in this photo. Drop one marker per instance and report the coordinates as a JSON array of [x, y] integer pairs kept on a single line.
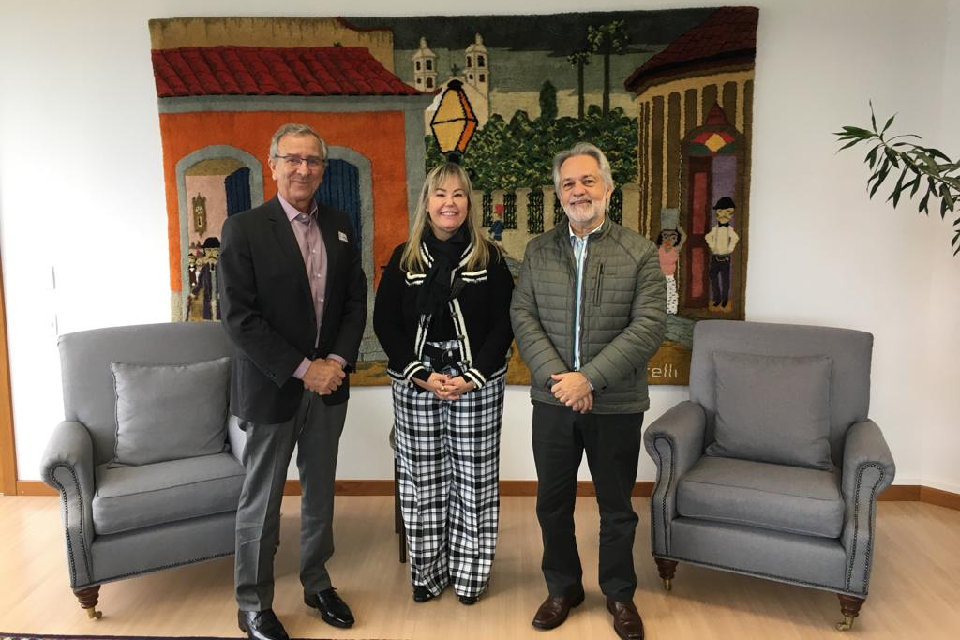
[[442, 314]]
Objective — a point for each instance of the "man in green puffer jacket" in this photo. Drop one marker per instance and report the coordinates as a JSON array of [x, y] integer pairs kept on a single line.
[[588, 313]]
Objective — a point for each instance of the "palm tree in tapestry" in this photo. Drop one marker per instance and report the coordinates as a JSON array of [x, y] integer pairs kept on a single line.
[[579, 59], [606, 40]]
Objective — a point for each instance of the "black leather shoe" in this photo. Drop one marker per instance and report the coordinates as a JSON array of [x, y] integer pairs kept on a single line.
[[468, 599], [422, 594], [333, 610], [554, 611], [626, 619], [261, 625]]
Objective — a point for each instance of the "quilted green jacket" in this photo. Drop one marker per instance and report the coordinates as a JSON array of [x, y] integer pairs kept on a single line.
[[622, 323]]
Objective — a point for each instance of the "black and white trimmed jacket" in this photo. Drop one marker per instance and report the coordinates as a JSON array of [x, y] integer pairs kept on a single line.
[[480, 315]]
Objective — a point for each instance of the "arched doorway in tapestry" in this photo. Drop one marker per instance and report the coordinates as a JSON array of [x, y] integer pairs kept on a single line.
[[340, 189], [348, 186], [712, 169], [213, 182]]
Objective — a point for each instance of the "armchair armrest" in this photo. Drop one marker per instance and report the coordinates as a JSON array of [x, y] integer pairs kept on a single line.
[[674, 442], [67, 465], [868, 469]]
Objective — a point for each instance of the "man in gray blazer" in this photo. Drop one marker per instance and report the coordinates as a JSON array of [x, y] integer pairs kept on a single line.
[[293, 300], [588, 312]]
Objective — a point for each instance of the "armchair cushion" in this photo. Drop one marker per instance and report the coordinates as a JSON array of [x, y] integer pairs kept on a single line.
[[172, 411], [145, 496], [756, 494], [773, 409]]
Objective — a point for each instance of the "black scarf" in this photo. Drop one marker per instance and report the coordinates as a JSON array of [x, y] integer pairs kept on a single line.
[[436, 290]]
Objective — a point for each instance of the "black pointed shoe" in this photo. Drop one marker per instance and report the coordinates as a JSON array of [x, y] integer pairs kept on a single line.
[[333, 610], [261, 625]]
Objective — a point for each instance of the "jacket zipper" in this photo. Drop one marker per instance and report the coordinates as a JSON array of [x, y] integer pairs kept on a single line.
[[598, 289]]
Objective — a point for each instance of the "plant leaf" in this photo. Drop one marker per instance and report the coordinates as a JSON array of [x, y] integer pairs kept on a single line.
[[892, 156], [860, 131], [916, 185], [898, 188], [947, 196], [881, 176], [889, 122]]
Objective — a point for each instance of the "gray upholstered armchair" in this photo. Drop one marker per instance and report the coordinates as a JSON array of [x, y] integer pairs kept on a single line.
[[146, 461], [772, 468]]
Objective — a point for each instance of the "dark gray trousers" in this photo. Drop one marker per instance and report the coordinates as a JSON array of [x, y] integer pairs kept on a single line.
[[612, 444], [315, 429]]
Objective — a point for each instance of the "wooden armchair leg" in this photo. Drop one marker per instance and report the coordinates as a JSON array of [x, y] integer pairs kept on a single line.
[[850, 608], [88, 597], [667, 569]]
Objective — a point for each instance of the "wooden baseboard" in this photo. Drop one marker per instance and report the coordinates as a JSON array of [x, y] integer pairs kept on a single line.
[[35, 489], [940, 498], [901, 492], [528, 489]]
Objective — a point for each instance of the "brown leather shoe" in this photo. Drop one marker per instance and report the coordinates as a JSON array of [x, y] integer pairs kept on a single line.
[[554, 610], [626, 620]]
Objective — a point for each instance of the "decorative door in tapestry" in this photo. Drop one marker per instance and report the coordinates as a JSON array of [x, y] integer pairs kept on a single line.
[[668, 95]]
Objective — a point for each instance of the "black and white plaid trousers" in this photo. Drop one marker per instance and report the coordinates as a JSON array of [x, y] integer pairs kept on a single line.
[[449, 455]]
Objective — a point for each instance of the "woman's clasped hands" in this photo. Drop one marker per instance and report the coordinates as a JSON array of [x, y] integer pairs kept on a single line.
[[445, 387]]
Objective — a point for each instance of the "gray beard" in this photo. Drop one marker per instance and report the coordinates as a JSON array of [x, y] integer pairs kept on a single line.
[[598, 211]]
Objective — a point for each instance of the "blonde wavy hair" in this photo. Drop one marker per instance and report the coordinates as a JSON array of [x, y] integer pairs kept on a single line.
[[411, 259]]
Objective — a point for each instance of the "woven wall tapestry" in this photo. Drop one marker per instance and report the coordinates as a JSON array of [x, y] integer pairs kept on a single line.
[[668, 95]]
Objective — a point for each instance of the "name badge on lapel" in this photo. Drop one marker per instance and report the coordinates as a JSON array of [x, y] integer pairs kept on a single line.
[[342, 236]]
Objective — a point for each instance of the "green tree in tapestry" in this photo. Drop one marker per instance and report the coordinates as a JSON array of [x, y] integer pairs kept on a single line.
[[579, 59], [609, 39]]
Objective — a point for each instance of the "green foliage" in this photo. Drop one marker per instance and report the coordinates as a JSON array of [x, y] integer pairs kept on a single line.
[[519, 153], [434, 157], [917, 166], [611, 38], [581, 57]]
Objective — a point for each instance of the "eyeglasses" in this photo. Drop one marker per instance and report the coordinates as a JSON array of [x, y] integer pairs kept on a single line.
[[294, 162]]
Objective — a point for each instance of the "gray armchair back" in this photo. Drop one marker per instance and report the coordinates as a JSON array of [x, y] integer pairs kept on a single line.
[[850, 352], [85, 357], [122, 520]]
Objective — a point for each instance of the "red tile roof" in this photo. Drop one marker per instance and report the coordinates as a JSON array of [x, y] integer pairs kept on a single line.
[[286, 71], [728, 36]]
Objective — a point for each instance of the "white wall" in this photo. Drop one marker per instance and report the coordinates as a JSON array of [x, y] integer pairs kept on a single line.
[[81, 193], [941, 444]]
